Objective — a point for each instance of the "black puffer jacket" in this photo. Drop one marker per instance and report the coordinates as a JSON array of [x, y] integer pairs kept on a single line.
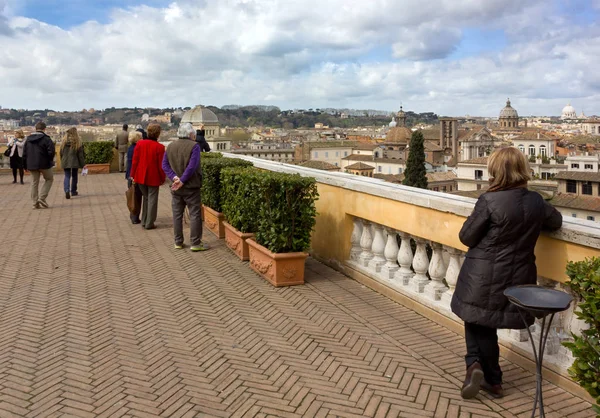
[[39, 151], [501, 234]]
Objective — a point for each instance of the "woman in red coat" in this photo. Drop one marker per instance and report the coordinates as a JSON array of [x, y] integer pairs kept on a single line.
[[147, 173]]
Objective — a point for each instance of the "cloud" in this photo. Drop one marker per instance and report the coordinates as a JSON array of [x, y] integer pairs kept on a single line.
[[302, 54]]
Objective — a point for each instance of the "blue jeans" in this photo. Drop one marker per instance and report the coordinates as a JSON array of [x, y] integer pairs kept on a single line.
[[71, 173]]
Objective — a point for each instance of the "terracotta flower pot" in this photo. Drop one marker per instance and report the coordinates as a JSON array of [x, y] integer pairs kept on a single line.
[[285, 269], [98, 168], [236, 241], [214, 222]]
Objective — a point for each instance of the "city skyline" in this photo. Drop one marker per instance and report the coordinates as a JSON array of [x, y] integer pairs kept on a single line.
[[451, 58]]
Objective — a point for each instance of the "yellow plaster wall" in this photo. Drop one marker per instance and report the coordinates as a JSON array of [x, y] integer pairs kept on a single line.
[[337, 206]]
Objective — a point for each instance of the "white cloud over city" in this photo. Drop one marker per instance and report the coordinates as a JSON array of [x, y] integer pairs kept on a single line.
[[310, 53]]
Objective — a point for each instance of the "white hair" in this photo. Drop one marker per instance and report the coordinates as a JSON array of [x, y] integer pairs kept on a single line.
[[186, 130]]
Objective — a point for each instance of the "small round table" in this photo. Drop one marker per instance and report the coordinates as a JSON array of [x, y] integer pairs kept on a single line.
[[540, 302]]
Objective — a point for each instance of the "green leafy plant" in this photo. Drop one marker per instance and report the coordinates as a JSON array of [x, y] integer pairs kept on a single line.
[[211, 178], [415, 174], [211, 155], [286, 215], [584, 283], [99, 152], [239, 197]]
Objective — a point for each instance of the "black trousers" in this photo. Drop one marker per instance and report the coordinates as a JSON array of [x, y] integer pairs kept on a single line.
[[482, 347], [21, 172]]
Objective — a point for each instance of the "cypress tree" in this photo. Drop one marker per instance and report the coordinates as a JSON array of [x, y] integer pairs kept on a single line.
[[415, 173]]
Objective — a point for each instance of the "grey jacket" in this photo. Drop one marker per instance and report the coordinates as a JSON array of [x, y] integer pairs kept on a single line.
[[122, 141]]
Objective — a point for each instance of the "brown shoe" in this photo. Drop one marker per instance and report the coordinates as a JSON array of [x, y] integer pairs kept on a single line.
[[472, 382], [495, 390]]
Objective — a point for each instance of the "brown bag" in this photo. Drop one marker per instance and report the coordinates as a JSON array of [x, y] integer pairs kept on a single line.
[[133, 204]]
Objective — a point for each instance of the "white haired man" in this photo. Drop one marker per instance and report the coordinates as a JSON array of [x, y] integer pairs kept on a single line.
[[181, 164]]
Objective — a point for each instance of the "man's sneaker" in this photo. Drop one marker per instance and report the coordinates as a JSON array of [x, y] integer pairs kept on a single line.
[[495, 390], [67, 195], [43, 204], [36, 205], [178, 246], [198, 248], [472, 382], [74, 193]]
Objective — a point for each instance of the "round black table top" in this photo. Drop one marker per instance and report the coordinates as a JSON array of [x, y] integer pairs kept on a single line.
[[538, 299]]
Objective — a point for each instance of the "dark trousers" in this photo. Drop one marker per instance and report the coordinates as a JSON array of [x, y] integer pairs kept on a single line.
[[149, 204], [190, 199], [21, 172], [71, 178], [482, 346]]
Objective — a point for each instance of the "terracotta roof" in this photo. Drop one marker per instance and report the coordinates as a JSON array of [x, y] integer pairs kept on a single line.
[[573, 201], [576, 175], [480, 160], [432, 146], [532, 135], [360, 166], [319, 165], [431, 134], [431, 177], [398, 134], [365, 146], [358, 157]]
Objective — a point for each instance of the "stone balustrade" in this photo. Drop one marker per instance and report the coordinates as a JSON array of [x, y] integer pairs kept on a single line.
[[405, 241]]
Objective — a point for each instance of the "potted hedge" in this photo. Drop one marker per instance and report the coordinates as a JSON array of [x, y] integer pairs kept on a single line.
[[286, 217], [584, 283], [98, 156], [239, 202], [211, 191]]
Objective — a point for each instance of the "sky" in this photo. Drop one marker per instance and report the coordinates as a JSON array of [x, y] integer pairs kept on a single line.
[[451, 57]]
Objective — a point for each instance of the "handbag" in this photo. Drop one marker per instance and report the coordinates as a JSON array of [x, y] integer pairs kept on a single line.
[[7, 152], [133, 204]]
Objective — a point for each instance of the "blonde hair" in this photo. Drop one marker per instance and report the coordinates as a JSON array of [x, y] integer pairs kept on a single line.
[[134, 137], [72, 139], [19, 134], [508, 168]]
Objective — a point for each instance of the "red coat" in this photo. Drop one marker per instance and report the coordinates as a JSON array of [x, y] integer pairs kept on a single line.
[[146, 166]]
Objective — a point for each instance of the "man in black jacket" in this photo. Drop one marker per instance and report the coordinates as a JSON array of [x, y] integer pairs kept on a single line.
[[201, 139], [38, 158]]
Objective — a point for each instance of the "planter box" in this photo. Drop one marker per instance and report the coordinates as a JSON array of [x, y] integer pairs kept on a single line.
[[98, 168], [214, 222], [236, 241], [285, 269]]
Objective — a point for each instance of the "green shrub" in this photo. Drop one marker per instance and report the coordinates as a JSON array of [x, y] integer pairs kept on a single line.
[[584, 282], [211, 178], [287, 211], [211, 155], [239, 197], [99, 152]]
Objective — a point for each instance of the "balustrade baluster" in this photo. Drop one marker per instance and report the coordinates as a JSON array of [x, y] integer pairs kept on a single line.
[[451, 274], [405, 259], [437, 269], [366, 240], [356, 236], [390, 268], [377, 248], [420, 266]]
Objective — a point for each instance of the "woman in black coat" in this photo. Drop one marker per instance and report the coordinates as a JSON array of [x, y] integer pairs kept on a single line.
[[501, 234]]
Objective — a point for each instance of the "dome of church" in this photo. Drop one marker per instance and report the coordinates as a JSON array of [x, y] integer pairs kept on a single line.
[[199, 115], [393, 123], [568, 112], [398, 134], [582, 115], [508, 111]]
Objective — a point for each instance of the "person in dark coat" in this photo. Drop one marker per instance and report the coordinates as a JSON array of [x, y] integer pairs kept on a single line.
[[38, 159], [201, 139], [72, 158], [134, 137], [501, 234]]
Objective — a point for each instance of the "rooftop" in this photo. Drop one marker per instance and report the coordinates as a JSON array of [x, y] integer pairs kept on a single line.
[[577, 175], [573, 201], [319, 165], [478, 160], [102, 318]]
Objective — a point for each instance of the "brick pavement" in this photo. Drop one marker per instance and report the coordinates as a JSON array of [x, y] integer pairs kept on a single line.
[[99, 318]]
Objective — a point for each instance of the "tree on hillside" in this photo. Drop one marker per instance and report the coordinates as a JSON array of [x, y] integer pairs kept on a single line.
[[415, 173]]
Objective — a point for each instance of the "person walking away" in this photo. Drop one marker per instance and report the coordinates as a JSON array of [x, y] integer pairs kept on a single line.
[[201, 139], [121, 144], [181, 165], [134, 137], [38, 158], [17, 145], [72, 158], [501, 234], [147, 173]]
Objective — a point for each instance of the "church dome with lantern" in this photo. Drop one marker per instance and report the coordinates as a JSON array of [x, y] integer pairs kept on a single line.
[[568, 112]]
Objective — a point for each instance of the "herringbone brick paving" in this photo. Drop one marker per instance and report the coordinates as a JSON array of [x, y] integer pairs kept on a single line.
[[99, 318]]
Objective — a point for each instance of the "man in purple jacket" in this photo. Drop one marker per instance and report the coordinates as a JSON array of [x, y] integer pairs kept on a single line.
[[181, 164]]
